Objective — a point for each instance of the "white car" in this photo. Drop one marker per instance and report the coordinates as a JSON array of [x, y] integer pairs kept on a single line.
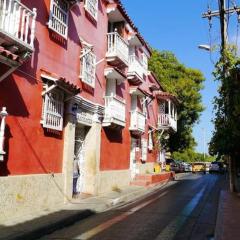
[[216, 167]]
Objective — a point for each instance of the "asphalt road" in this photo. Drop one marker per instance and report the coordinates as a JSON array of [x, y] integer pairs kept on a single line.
[[185, 210]]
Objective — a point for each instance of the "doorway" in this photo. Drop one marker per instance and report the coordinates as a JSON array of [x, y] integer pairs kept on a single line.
[[79, 159]]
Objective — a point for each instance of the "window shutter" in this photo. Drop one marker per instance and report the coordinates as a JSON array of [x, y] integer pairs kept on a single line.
[[92, 8], [58, 17], [144, 150], [53, 111], [88, 68]]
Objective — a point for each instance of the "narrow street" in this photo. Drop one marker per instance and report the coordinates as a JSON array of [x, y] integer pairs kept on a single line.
[[185, 210]]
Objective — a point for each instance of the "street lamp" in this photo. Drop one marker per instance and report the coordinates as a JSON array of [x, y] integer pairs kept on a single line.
[[205, 47]]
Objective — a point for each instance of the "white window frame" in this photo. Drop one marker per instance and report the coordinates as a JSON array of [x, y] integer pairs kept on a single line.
[[91, 6], [88, 67], [58, 17], [53, 110]]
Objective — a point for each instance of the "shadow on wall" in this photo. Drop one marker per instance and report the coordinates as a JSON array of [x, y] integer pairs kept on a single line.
[[11, 98], [113, 135], [29, 69]]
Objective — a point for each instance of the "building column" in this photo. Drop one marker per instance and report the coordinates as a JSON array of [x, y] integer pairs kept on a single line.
[[68, 155], [92, 157]]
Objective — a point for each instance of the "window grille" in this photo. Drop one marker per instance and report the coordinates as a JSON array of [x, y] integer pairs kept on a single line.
[[88, 67], [92, 7], [162, 107], [58, 18], [53, 108], [144, 150]]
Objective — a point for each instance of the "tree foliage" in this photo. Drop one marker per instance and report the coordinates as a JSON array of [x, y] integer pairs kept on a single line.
[[190, 155], [185, 83], [225, 140]]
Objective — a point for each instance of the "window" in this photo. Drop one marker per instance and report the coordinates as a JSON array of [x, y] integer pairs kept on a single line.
[[53, 107], [144, 149], [88, 67], [58, 18], [91, 7]]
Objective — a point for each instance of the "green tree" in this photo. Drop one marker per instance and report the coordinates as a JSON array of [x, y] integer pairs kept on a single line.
[[185, 83], [226, 135]]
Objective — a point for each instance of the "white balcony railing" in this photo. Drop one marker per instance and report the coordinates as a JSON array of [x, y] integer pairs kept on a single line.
[[18, 22], [135, 67], [137, 122], [117, 47], [115, 109], [167, 121]]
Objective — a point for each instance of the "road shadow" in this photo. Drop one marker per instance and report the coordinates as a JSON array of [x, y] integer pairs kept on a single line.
[[44, 225]]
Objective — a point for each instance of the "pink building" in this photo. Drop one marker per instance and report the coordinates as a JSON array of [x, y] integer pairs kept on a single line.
[[83, 108]]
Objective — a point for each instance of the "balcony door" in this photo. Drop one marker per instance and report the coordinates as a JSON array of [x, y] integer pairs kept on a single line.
[[119, 26]]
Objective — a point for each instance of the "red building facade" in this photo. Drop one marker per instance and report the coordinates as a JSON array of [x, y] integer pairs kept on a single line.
[[82, 106]]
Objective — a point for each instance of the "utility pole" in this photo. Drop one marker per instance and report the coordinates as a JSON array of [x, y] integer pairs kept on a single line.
[[222, 14], [204, 150]]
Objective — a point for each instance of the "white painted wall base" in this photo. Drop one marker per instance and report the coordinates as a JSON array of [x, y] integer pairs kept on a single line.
[[145, 168], [24, 194], [108, 180]]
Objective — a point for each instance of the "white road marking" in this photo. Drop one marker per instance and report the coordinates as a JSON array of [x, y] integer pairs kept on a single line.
[[109, 223], [174, 226]]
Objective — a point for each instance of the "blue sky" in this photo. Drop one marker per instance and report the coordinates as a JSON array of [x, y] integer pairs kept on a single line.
[[178, 26]]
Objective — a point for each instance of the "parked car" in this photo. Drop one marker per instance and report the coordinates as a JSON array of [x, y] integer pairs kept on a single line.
[[187, 167], [207, 166], [216, 167], [172, 165], [198, 167]]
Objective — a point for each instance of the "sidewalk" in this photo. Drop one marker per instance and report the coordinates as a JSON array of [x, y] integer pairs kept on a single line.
[[228, 217], [38, 224]]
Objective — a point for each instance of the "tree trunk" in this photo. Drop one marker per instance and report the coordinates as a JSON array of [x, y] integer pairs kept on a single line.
[[232, 173]]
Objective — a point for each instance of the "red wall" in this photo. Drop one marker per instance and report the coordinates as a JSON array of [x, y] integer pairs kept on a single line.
[[31, 149]]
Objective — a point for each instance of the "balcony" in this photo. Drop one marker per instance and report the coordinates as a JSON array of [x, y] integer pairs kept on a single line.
[[166, 121], [117, 50], [135, 71], [137, 123], [115, 115], [17, 27]]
